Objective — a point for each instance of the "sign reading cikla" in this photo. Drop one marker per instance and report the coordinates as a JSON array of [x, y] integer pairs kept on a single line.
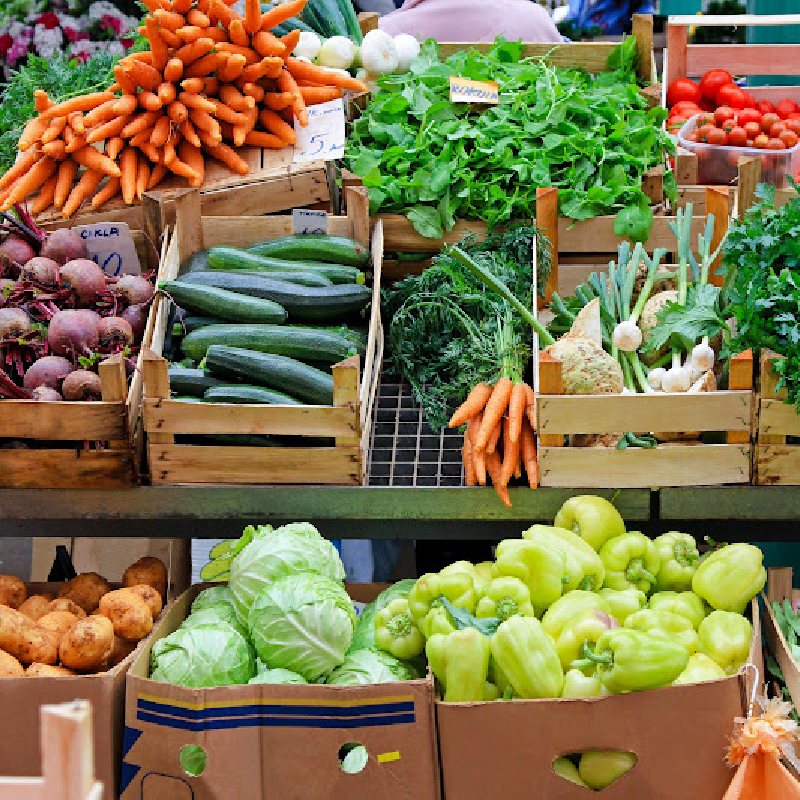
[[465, 91], [110, 246]]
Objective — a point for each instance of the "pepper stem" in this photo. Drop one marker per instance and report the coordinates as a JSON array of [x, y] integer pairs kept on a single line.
[[591, 658], [589, 583], [685, 555], [506, 607], [637, 572]]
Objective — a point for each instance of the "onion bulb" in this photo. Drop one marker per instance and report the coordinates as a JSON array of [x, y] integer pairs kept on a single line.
[[676, 379], [407, 48], [378, 53], [703, 356], [337, 52], [655, 377], [308, 45], [627, 336]]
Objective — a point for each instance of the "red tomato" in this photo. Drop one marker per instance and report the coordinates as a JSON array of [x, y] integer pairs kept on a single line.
[[711, 82], [731, 95], [752, 129], [683, 89], [786, 107], [751, 101], [703, 131], [794, 116], [748, 115], [708, 105], [776, 130], [737, 137], [674, 124], [775, 144], [692, 137], [793, 125], [761, 140], [768, 120], [789, 138], [723, 113], [765, 107], [717, 136], [685, 108]]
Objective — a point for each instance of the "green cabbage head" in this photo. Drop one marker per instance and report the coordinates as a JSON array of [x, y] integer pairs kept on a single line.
[[211, 615], [212, 597], [371, 666], [282, 676]]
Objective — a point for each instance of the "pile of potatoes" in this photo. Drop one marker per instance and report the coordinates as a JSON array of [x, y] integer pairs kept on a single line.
[[88, 627]]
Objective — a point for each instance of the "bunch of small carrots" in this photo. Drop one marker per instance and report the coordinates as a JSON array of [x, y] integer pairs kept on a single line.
[[499, 438], [212, 78]]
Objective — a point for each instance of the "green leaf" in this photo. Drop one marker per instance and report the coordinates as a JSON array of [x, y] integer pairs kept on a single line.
[[634, 223], [463, 619], [426, 221]]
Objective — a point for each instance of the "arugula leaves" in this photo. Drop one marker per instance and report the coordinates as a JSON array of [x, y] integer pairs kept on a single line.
[[593, 137]]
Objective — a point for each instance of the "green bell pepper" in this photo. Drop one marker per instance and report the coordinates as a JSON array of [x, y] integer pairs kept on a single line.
[[396, 631], [730, 577], [483, 573], [586, 627], [623, 603], [467, 567], [574, 547], [699, 670], [437, 620], [527, 657], [725, 637], [490, 692], [540, 568], [593, 518], [630, 560], [687, 604], [457, 587], [600, 768], [673, 626], [565, 769], [460, 661], [576, 684], [504, 597], [569, 606], [628, 660], [679, 560]]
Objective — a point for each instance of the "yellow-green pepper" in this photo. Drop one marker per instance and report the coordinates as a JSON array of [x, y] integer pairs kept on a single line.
[[483, 573], [490, 692], [679, 560], [730, 577], [437, 620], [672, 626], [600, 768], [460, 661], [593, 518], [576, 684], [725, 636], [588, 626], [396, 630], [687, 604], [699, 670], [527, 657], [630, 560], [590, 572], [457, 587], [568, 606], [623, 603], [504, 597], [564, 768]]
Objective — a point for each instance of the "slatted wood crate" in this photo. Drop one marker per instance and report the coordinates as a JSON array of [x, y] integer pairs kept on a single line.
[[348, 420]]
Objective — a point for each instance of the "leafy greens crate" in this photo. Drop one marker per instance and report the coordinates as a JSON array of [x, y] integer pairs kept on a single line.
[[348, 420], [779, 589], [264, 740]]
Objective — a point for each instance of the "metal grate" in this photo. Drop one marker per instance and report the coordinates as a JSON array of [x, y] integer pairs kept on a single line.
[[405, 450]]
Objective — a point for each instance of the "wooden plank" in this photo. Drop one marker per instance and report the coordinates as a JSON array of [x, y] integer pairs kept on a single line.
[[188, 230], [780, 649], [778, 418], [740, 376], [30, 419], [550, 382], [642, 29], [751, 59], [653, 184], [368, 21], [726, 20], [244, 231], [615, 413], [677, 41], [187, 464], [591, 56], [357, 203], [777, 465], [547, 220], [345, 395], [779, 584], [717, 204], [749, 178], [686, 168], [764, 470], [65, 469], [666, 465]]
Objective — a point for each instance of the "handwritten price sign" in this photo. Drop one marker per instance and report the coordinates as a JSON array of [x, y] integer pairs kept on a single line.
[[323, 138], [465, 91], [111, 247], [306, 221]]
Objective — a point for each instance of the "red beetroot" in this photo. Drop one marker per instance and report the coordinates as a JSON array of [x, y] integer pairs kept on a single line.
[[73, 333], [49, 371], [115, 333], [41, 270], [82, 385], [14, 322], [45, 393], [64, 245], [14, 252], [85, 278], [136, 317], [135, 289]]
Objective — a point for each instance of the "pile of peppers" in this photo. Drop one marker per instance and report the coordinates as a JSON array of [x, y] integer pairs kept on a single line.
[[581, 608]]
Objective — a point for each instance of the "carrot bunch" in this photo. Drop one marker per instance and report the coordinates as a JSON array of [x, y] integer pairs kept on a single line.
[[499, 438], [212, 81]]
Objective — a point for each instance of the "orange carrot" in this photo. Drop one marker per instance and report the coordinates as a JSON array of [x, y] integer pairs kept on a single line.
[[252, 16], [510, 454], [470, 476], [205, 122], [103, 112], [145, 120], [166, 93], [286, 83], [173, 71], [494, 466], [475, 402], [290, 41], [127, 104], [188, 132], [234, 49], [41, 101], [494, 410], [76, 122], [156, 176], [268, 67], [281, 13], [234, 99], [192, 85], [142, 139], [151, 151], [34, 178], [240, 132], [221, 13], [516, 410], [530, 406], [32, 132], [20, 167], [169, 148], [205, 65], [473, 426], [154, 5], [491, 445], [192, 156], [267, 44], [129, 164], [238, 34], [108, 130], [158, 47], [44, 199], [210, 87], [54, 129], [177, 112], [198, 101], [179, 167], [311, 72], [528, 440], [226, 155], [169, 19], [161, 131], [277, 101], [84, 102], [254, 91], [274, 124], [95, 160], [64, 178], [190, 33], [146, 57], [313, 84], [182, 6], [143, 75], [114, 147], [232, 68], [225, 113], [55, 149], [191, 52], [196, 17], [313, 95], [74, 142], [111, 189], [142, 177]]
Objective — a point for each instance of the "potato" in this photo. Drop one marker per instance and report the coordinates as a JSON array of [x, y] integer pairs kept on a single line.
[[25, 639], [12, 591], [121, 650], [129, 614], [47, 671], [150, 596], [65, 604], [87, 644], [9, 666], [35, 606], [86, 590], [150, 571], [58, 622]]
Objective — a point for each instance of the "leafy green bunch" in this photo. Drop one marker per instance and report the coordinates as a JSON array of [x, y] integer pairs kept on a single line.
[[591, 136]]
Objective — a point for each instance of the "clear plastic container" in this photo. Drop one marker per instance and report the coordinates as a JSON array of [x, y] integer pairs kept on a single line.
[[718, 164]]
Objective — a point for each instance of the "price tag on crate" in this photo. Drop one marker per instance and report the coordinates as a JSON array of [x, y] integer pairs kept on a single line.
[[307, 221], [466, 91], [111, 247], [323, 138]]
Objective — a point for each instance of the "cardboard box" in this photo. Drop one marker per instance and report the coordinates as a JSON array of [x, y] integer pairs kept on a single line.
[[265, 741], [505, 749], [20, 699]]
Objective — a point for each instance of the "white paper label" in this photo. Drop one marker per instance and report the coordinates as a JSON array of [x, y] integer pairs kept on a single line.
[[307, 221], [111, 247], [323, 138]]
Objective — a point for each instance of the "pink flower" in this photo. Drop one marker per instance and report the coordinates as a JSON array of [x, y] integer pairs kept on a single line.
[[72, 35], [5, 43], [49, 20], [108, 21], [83, 57], [126, 43]]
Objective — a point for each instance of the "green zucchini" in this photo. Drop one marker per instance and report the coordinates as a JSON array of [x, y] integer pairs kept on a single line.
[[198, 260], [231, 258], [302, 278], [245, 393], [314, 247], [277, 372], [191, 382], [227, 305], [303, 303], [304, 344]]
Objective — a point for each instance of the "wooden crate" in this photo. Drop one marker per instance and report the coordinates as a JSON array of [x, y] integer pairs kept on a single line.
[[778, 589], [348, 420]]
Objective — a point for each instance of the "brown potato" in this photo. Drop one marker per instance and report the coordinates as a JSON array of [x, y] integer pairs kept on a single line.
[[9, 666], [58, 622], [121, 650], [150, 596], [86, 590], [150, 571], [25, 639], [65, 604], [12, 591], [129, 614], [87, 644], [35, 606], [47, 671]]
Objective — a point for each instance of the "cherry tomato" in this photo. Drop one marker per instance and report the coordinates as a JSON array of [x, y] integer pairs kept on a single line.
[[692, 137], [723, 113], [705, 119], [775, 144], [737, 137], [786, 107], [683, 89], [793, 125], [731, 95], [761, 140], [748, 115], [789, 138], [776, 130], [765, 107], [752, 129], [674, 124], [768, 120], [717, 136], [703, 131], [711, 82]]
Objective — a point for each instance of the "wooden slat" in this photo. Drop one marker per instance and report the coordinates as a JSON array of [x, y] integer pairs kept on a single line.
[[779, 584], [717, 203], [777, 465], [65, 469], [749, 178], [177, 417], [779, 648], [244, 231], [726, 20], [547, 221], [551, 383], [615, 413], [740, 376], [778, 418], [30, 419], [675, 65], [179, 464], [642, 29], [751, 59], [686, 168], [667, 465]]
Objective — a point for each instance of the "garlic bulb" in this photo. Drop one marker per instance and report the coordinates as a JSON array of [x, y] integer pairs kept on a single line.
[[627, 336], [655, 377]]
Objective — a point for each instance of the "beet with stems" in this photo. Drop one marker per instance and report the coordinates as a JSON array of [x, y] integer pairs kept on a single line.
[[73, 333], [41, 270], [135, 289], [14, 252], [82, 385], [49, 371], [115, 334], [84, 278], [136, 317], [46, 394], [14, 323], [64, 245], [6, 287]]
